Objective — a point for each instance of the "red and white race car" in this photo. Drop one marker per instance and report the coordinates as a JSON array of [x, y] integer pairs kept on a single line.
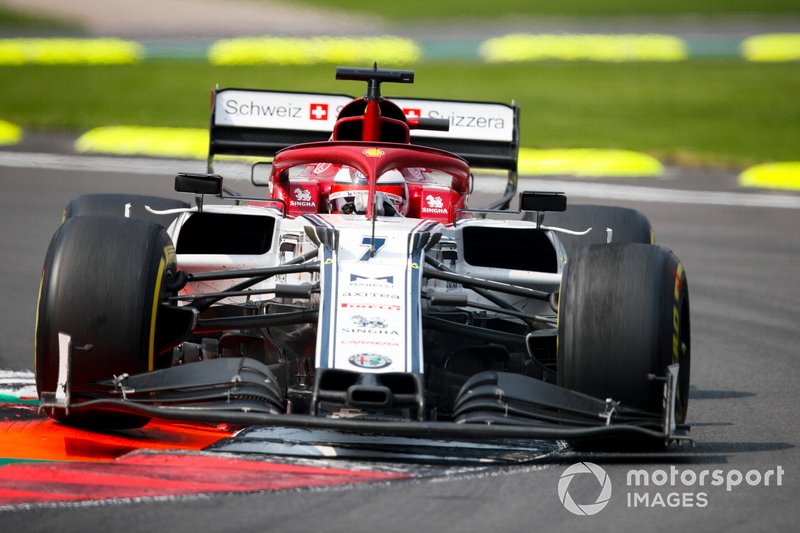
[[364, 291]]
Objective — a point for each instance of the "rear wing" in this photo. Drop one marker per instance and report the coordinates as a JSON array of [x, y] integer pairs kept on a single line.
[[485, 134], [260, 123]]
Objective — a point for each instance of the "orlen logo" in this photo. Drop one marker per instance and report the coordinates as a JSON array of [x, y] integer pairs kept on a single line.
[[321, 168], [412, 112], [587, 509], [318, 111]]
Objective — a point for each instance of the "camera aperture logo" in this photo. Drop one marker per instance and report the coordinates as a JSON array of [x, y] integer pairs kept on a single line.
[[586, 509], [660, 488]]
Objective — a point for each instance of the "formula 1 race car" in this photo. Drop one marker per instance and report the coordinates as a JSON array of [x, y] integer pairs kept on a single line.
[[364, 292]]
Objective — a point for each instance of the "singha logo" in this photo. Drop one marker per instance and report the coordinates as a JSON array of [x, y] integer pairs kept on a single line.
[[364, 322], [302, 195], [434, 202]]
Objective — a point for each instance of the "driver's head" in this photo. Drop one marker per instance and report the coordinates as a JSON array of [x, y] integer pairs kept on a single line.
[[350, 193]]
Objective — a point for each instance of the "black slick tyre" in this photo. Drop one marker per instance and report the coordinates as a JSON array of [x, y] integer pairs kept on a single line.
[[102, 282], [116, 205], [624, 314], [626, 225]]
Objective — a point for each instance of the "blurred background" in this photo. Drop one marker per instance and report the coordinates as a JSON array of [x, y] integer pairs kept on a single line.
[[697, 83]]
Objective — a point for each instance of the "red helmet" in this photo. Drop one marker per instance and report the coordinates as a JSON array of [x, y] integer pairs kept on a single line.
[[350, 192]]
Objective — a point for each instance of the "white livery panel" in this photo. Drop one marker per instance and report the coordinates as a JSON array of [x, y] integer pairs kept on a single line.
[[371, 298]]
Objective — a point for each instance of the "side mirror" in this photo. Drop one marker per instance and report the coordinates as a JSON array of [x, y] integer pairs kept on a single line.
[[542, 201], [199, 184], [260, 174]]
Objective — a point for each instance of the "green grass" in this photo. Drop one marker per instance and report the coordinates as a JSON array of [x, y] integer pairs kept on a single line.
[[722, 113], [453, 9]]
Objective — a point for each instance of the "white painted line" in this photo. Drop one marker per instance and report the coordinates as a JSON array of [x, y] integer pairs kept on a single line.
[[16, 376], [81, 163], [124, 165], [605, 191], [19, 384], [483, 184]]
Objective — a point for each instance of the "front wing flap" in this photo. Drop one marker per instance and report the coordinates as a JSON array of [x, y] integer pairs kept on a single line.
[[491, 405]]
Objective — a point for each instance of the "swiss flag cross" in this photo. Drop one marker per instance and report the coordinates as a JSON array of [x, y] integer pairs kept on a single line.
[[412, 112], [318, 111]]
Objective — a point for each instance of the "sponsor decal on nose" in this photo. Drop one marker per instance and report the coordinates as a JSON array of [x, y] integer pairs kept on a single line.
[[370, 360]]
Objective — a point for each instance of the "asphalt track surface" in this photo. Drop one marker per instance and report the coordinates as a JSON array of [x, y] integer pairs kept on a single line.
[[742, 264]]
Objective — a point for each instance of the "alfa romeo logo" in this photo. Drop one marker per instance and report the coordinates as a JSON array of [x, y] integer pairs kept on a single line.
[[587, 509], [370, 360]]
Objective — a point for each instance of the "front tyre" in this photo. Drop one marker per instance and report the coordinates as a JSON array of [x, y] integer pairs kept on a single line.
[[102, 282], [624, 314], [123, 205], [626, 225]]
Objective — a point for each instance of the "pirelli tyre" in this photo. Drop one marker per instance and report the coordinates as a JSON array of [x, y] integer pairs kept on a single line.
[[102, 282], [625, 225], [124, 205], [624, 315]]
